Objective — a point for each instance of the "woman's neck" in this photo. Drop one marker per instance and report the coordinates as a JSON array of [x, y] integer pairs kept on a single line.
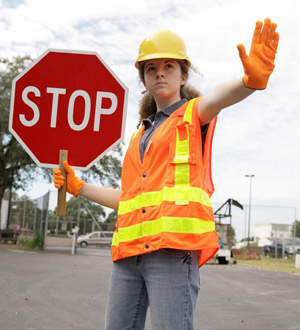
[[162, 104]]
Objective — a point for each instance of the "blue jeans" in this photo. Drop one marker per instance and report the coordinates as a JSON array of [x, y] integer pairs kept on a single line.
[[167, 280]]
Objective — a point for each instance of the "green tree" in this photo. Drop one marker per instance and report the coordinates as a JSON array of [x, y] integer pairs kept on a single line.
[[108, 170], [78, 208], [231, 235], [86, 206], [17, 170], [112, 217], [297, 225]]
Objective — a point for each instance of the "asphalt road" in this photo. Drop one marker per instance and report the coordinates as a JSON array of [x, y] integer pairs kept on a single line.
[[55, 290]]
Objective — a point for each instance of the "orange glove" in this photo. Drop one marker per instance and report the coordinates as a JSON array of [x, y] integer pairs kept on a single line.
[[74, 184], [259, 65]]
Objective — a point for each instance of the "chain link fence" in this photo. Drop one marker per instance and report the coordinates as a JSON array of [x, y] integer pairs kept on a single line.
[[39, 214], [27, 216]]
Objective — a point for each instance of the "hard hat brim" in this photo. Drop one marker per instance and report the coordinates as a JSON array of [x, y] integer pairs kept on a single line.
[[160, 55]]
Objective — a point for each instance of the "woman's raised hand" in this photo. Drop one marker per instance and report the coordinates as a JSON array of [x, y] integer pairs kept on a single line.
[[259, 65], [74, 184]]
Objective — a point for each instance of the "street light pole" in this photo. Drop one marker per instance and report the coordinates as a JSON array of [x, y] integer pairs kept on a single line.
[[249, 176]]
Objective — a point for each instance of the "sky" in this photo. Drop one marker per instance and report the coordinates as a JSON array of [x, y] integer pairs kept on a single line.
[[259, 135]]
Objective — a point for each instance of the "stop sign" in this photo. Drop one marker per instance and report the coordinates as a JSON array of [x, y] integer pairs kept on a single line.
[[68, 100]]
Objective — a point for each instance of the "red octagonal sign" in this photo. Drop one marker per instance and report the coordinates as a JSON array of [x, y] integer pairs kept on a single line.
[[68, 100]]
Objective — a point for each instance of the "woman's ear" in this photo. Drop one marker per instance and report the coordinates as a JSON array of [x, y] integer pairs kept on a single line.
[[184, 78]]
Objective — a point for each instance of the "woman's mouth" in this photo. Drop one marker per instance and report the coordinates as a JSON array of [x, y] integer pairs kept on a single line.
[[160, 83]]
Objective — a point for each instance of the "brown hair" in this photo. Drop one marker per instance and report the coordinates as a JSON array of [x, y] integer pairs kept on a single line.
[[147, 103]]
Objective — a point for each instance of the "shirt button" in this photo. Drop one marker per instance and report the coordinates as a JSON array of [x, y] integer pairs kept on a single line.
[[143, 210], [144, 175], [147, 246]]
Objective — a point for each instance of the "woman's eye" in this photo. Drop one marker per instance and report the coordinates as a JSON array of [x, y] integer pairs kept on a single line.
[[150, 68], [169, 66]]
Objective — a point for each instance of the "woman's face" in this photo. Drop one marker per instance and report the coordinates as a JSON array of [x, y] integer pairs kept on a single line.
[[163, 79]]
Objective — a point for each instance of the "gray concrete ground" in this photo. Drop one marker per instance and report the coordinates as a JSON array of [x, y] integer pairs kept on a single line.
[[55, 290]]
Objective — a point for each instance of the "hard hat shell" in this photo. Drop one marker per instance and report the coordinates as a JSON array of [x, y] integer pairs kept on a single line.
[[162, 44]]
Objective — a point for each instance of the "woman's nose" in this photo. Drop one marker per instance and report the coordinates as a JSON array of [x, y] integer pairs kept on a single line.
[[160, 74]]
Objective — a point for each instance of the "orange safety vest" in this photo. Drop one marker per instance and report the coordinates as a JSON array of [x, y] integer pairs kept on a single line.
[[165, 199]]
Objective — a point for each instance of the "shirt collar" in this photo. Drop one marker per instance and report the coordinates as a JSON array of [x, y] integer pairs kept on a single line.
[[168, 111]]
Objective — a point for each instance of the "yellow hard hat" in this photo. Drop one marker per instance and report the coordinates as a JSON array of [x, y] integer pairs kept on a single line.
[[162, 44]]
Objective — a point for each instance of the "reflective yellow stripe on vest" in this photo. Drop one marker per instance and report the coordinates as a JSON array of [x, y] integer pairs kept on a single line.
[[181, 160], [135, 133], [168, 194], [163, 224], [188, 112]]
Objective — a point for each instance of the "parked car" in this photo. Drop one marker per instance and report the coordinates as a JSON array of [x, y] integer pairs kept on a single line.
[[291, 246], [96, 238]]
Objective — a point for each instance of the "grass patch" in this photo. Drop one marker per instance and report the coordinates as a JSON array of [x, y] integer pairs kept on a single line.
[[36, 243], [283, 265]]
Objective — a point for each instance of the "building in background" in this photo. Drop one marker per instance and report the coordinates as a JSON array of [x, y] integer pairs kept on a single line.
[[266, 233]]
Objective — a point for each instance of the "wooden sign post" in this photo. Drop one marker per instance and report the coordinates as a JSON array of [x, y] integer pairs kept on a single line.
[[61, 196]]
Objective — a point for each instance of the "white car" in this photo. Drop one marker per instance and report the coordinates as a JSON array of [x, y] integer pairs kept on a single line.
[[96, 238]]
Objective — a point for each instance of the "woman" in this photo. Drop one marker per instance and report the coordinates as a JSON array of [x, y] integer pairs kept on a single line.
[[165, 228]]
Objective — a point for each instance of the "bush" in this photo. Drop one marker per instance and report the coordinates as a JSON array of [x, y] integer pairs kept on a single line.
[[37, 242]]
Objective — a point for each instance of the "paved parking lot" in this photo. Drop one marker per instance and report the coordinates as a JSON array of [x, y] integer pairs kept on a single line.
[[55, 290]]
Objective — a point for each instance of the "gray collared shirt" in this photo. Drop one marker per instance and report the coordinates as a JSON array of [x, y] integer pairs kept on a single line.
[[155, 120]]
